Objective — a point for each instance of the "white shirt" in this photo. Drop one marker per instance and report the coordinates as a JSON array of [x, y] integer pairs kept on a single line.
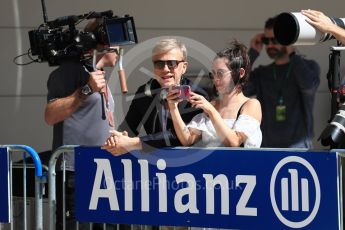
[[245, 124]]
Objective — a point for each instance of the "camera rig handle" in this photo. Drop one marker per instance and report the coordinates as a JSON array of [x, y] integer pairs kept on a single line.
[[121, 73], [94, 58]]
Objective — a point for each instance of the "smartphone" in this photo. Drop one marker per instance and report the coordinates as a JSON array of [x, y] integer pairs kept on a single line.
[[184, 91]]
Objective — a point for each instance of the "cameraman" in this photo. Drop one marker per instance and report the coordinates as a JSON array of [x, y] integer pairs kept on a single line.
[[74, 108], [286, 90], [324, 24]]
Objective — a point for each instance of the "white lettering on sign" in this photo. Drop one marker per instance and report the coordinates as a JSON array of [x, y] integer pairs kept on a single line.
[[185, 197], [109, 192], [241, 207]]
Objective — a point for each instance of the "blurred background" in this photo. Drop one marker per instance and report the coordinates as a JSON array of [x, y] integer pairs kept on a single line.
[[205, 26]]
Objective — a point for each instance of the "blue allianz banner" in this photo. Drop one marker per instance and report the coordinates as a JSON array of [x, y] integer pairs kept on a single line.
[[220, 188], [4, 187]]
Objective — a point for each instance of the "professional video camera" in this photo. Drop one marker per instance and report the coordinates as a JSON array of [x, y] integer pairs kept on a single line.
[[292, 28], [59, 39]]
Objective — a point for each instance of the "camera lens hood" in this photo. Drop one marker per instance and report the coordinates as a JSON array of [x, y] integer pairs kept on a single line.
[[291, 28]]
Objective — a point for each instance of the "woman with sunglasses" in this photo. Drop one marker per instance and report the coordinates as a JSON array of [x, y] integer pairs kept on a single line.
[[231, 119]]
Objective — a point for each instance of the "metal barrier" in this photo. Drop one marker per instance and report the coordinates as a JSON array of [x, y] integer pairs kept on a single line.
[[52, 193], [52, 185], [214, 188], [341, 183], [40, 179], [315, 178], [268, 184]]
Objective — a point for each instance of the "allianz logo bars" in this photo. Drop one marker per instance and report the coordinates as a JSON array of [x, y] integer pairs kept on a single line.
[[295, 191], [294, 183], [224, 189]]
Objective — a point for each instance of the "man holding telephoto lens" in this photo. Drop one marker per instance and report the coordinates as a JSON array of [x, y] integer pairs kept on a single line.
[[286, 90], [149, 107]]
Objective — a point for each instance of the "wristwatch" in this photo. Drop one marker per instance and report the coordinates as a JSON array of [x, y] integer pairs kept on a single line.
[[86, 90]]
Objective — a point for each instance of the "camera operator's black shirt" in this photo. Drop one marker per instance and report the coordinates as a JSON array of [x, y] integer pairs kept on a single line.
[[298, 90], [147, 110]]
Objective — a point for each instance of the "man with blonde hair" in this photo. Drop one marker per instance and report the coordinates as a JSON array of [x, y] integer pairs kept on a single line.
[[149, 107]]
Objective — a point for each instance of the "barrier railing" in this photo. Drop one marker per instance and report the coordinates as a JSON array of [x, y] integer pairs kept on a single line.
[[192, 187], [341, 183], [40, 179], [52, 185], [209, 188]]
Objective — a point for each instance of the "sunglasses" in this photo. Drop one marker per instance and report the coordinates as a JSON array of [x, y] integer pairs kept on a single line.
[[267, 40], [172, 64], [218, 74]]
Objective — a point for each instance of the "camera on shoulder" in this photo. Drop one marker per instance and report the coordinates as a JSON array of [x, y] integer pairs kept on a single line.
[[57, 40]]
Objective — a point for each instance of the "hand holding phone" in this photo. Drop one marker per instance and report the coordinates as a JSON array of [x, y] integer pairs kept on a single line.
[[184, 91]]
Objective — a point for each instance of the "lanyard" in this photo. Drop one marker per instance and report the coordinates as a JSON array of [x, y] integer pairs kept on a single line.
[[287, 73], [280, 89], [165, 114]]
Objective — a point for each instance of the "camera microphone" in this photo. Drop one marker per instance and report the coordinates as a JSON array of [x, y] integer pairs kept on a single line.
[[121, 73], [63, 21]]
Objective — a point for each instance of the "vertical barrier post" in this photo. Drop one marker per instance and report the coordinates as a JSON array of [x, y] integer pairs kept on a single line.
[[341, 173], [52, 183], [24, 192], [38, 177]]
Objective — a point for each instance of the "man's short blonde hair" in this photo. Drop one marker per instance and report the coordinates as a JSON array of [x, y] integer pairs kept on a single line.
[[165, 45]]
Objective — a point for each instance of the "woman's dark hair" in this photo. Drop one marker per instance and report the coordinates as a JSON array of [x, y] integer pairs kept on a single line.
[[236, 57]]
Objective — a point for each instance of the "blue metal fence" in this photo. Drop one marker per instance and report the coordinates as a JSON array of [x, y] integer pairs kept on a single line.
[[6, 172], [192, 187]]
